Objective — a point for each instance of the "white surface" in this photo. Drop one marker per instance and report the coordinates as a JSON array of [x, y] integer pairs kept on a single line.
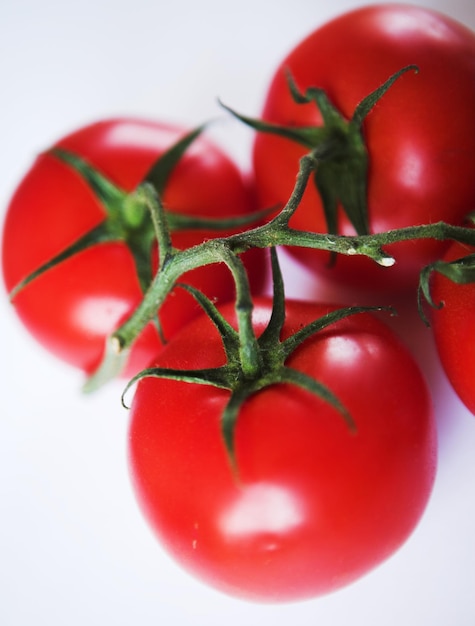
[[74, 549]]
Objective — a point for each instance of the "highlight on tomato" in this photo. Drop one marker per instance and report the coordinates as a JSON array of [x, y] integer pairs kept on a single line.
[[299, 501], [406, 158], [80, 195]]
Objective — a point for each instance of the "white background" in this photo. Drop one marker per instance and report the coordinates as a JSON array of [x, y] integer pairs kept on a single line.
[[74, 549]]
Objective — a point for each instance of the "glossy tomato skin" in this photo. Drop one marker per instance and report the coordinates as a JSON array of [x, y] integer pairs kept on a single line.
[[420, 136], [315, 505], [454, 328], [72, 308]]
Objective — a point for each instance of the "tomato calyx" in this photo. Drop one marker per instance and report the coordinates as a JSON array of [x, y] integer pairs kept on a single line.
[[126, 214], [460, 271], [339, 149], [254, 363]]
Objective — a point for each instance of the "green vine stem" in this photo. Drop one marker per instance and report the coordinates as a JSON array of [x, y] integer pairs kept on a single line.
[[174, 263]]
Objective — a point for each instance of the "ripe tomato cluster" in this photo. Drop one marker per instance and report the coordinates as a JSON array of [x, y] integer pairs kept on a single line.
[[280, 449]]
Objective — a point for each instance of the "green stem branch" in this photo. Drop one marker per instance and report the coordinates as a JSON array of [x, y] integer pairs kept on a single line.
[[274, 233], [250, 356]]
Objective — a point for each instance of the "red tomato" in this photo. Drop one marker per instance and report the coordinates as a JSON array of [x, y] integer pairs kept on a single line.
[[454, 329], [316, 505], [72, 308], [420, 136]]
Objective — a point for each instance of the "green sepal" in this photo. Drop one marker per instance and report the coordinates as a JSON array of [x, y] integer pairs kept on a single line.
[[229, 420], [339, 148], [106, 192], [271, 334], [181, 221], [161, 170], [98, 235], [229, 336], [220, 377], [292, 342], [299, 379], [368, 103], [126, 216], [215, 377], [341, 175], [159, 174], [460, 271], [307, 136]]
